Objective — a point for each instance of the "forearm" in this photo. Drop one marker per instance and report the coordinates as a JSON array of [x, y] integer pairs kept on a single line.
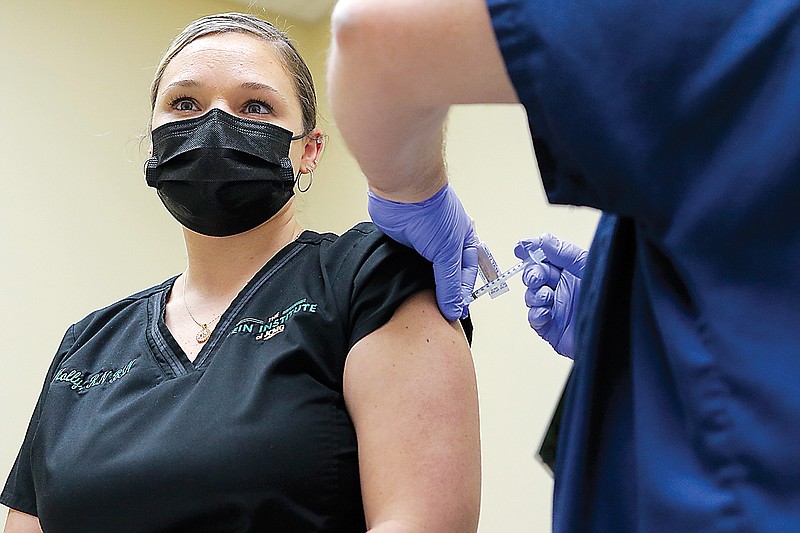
[[396, 66], [397, 142]]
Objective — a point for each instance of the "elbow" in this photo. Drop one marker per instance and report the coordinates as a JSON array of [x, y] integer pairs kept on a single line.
[[350, 56], [351, 21]]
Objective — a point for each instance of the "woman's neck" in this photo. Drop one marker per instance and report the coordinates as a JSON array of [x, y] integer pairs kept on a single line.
[[221, 266]]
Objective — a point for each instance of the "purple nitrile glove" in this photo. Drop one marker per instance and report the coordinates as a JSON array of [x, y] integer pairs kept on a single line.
[[440, 230], [553, 288]]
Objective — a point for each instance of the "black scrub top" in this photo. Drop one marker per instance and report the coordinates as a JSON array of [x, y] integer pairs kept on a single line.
[[129, 435], [681, 121]]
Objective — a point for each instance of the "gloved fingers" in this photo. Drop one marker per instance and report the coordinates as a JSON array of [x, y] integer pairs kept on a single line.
[[535, 275], [447, 276], [525, 247], [563, 254], [541, 297], [553, 276], [539, 318], [469, 272]]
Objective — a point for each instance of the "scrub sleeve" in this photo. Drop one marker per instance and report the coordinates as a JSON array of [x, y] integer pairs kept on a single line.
[[19, 492]]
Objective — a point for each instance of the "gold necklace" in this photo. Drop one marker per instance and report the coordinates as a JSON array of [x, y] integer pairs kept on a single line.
[[205, 332]]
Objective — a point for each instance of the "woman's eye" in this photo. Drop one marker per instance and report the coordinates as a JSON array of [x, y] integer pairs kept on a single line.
[[184, 103], [257, 107]]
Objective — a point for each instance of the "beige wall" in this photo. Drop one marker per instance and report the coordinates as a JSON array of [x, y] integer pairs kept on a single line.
[[79, 228]]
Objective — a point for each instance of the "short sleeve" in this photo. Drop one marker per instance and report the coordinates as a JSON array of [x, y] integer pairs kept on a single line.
[[377, 275], [19, 493]]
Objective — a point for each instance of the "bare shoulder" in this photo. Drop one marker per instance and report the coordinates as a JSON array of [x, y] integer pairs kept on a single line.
[[416, 332], [417, 347]]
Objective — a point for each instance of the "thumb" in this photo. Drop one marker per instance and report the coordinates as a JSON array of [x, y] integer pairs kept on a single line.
[[525, 247], [469, 272], [564, 255], [447, 276]]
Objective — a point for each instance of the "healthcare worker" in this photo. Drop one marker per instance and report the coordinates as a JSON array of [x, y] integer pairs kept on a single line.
[[681, 121]]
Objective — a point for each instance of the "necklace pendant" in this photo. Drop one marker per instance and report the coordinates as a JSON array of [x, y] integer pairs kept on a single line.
[[203, 335]]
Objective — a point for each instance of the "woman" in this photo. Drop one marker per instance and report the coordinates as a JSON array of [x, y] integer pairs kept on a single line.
[[287, 380]]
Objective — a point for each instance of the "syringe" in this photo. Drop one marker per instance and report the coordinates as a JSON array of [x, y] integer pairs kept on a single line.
[[499, 282]]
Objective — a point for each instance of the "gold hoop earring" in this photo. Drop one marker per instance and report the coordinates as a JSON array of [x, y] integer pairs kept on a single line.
[[310, 181]]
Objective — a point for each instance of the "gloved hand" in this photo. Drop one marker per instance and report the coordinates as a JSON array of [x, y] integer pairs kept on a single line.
[[441, 231], [553, 288]]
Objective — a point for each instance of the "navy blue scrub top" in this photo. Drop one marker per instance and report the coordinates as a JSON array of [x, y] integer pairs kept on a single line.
[[130, 436], [681, 121]]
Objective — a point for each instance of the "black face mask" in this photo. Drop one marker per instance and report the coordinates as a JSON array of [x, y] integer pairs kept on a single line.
[[220, 175]]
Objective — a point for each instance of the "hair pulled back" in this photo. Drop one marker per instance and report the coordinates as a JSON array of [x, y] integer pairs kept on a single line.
[[243, 23]]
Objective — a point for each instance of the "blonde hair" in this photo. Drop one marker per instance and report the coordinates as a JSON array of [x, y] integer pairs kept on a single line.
[[243, 23]]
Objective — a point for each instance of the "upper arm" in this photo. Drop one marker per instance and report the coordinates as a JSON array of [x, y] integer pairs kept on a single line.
[[18, 522], [426, 52], [411, 393]]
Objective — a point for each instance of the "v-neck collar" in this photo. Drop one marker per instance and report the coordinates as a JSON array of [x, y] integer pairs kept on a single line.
[[170, 356]]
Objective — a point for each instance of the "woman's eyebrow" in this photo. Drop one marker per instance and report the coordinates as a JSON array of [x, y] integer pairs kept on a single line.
[[258, 86], [251, 85], [182, 83]]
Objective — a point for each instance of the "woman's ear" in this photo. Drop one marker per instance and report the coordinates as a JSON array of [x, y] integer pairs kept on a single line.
[[312, 151]]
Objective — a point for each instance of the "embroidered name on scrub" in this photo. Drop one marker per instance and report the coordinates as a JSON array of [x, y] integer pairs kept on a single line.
[[80, 381], [266, 329]]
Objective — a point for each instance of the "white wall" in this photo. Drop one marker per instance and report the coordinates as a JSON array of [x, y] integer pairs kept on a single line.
[[79, 228]]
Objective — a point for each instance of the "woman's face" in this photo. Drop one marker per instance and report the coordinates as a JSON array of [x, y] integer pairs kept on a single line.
[[238, 73]]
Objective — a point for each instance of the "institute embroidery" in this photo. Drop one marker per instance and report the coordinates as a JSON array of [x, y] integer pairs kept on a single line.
[[262, 330], [81, 382]]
